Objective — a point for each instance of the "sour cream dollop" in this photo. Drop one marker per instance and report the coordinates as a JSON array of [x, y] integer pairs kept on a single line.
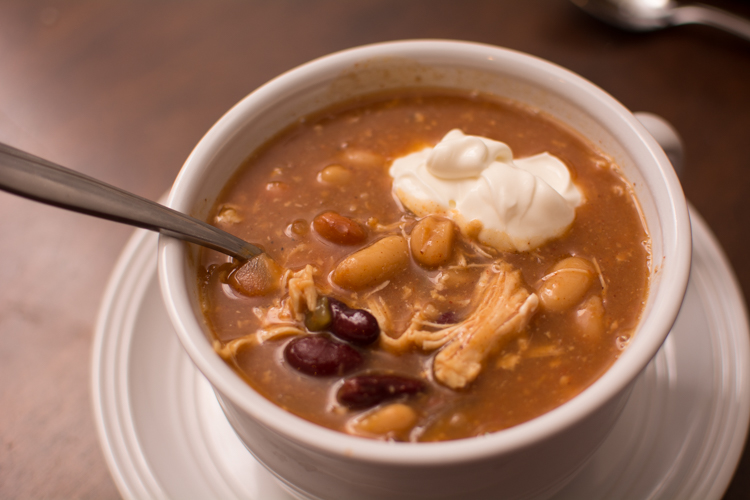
[[509, 204]]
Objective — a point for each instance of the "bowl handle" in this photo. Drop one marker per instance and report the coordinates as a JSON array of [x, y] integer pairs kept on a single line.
[[667, 137]]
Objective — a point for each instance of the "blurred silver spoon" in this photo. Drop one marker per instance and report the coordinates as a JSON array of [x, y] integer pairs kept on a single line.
[[647, 15], [40, 180]]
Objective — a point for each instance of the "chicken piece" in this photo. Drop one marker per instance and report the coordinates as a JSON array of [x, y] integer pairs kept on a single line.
[[283, 317], [503, 311], [302, 292]]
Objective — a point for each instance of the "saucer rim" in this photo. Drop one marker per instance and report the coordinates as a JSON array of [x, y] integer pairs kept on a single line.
[[135, 270]]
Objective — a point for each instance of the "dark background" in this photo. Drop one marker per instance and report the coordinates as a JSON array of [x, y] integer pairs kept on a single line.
[[124, 90]]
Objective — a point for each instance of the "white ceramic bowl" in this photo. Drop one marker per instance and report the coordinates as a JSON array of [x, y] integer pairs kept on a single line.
[[531, 460]]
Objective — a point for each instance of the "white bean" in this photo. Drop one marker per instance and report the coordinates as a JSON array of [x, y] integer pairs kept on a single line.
[[363, 158], [567, 284], [373, 264], [393, 418], [432, 241], [590, 317], [335, 174]]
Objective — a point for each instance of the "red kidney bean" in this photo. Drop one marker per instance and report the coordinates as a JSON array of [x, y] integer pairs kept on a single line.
[[321, 356], [339, 229], [365, 391], [353, 325]]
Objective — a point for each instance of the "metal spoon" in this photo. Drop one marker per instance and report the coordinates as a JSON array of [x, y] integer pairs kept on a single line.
[[647, 15], [40, 180]]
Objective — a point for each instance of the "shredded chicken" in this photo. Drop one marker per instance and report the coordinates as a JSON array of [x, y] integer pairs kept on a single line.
[[381, 312], [283, 317], [302, 287], [503, 310]]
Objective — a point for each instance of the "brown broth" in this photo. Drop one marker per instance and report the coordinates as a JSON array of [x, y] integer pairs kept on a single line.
[[549, 364]]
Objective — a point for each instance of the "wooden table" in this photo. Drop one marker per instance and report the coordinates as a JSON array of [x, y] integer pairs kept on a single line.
[[122, 91]]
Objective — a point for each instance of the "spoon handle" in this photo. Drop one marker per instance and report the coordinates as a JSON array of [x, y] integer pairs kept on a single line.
[[32, 177], [710, 16]]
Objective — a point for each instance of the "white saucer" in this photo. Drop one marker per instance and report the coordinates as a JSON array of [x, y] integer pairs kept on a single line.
[[164, 435]]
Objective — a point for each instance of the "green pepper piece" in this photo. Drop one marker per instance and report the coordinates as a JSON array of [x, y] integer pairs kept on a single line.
[[319, 319]]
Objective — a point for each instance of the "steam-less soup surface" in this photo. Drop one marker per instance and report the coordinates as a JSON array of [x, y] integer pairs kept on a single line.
[[374, 320]]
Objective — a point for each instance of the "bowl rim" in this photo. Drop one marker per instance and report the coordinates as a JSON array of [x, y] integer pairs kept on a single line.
[[673, 277]]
